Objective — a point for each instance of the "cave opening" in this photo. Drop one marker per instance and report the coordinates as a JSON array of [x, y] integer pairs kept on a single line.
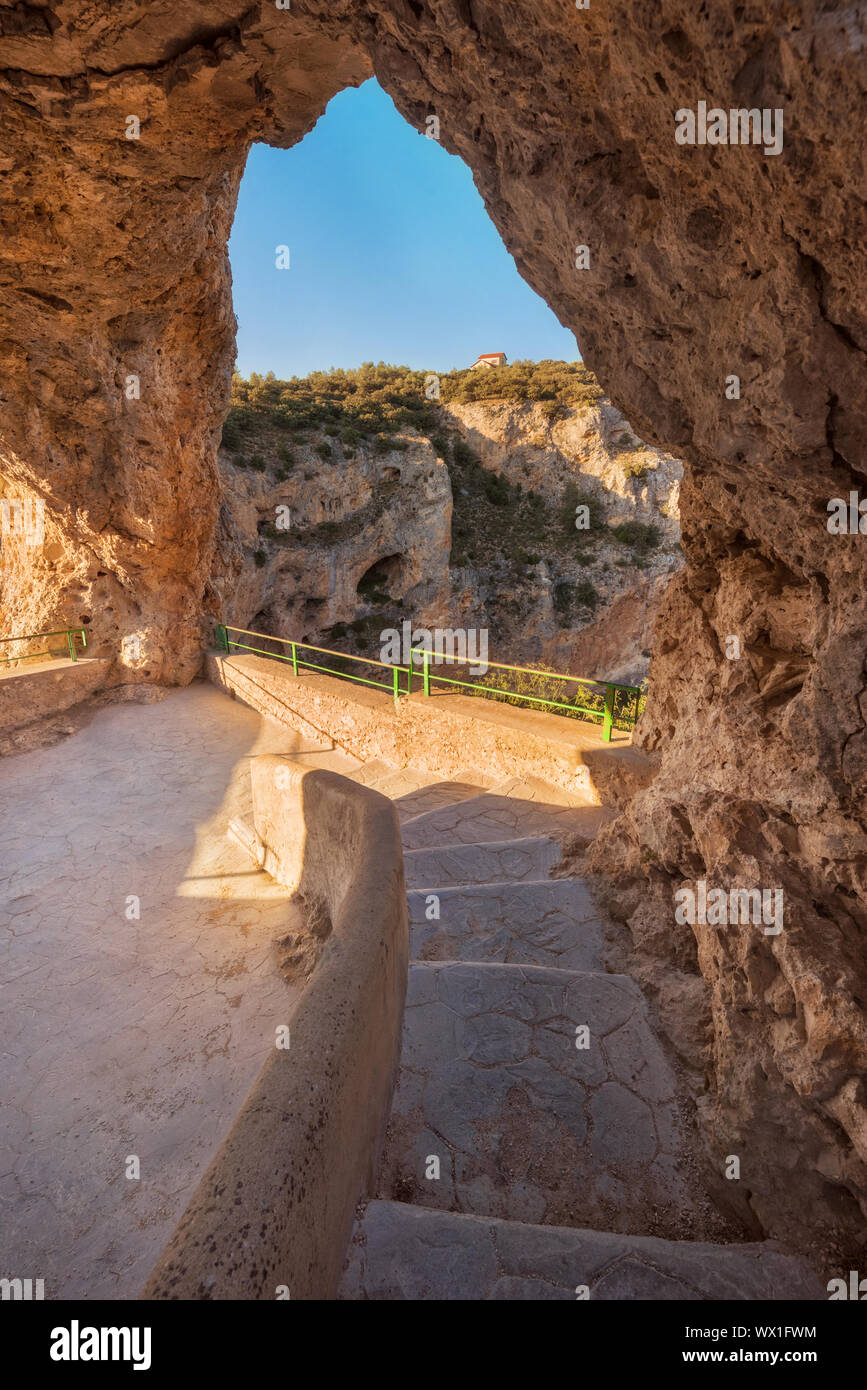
[[379, 580], [319, 448]]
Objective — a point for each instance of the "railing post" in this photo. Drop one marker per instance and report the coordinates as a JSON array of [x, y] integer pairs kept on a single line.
[[294, 646], [395, 672], [608, 717], [426, 670], [223, 638], [70, 642]]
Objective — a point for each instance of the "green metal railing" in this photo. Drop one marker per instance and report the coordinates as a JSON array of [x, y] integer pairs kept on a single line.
[[605, 692], [70, 633]]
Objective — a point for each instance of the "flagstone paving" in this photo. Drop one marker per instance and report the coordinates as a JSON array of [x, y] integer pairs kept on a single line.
[[140, 993]]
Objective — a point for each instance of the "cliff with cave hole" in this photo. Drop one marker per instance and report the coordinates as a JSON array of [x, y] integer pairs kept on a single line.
[[352, 503], [704, 262]]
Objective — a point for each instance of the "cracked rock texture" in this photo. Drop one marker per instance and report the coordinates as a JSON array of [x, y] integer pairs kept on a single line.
[[436, 1255], [705, 262], [492, 1083]]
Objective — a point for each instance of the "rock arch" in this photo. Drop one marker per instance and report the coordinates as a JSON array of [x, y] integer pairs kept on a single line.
[[704, 262]]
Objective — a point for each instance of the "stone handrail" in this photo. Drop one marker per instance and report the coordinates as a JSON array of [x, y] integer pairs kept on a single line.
[[275, 1208]]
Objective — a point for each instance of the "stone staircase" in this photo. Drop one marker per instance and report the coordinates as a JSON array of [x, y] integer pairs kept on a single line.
[[536, 1146]]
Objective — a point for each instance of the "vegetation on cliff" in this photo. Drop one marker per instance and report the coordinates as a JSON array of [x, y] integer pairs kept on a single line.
[[519, 550], [375, 400]]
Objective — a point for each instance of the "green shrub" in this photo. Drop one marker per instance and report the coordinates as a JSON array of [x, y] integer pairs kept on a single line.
[[567, 597], [332, 431], [382, 399], [287, 456], [258, 463], [538, 688], [563, 598], [440, 445], [556, 384], [260, 557], [573, 498], [385, 444], [323, 450], [231, 435], [635, 463], [638, 534], [586, 594], [497, 490], [464, 456]]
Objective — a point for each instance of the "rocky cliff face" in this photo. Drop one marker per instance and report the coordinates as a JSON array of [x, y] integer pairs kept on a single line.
[[704, 262], [301, 554], [582, 600], [360, 539]]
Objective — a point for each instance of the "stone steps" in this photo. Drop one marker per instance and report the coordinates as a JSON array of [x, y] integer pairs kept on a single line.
[[527, 1126], [399, 782], [331, 760], [507, 861], [553, 922], [415, 792], [440, 794], [518, 1165], [403, 1252], [368, 773], [499, 815]]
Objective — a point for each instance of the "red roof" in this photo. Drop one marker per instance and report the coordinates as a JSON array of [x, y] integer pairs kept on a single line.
[[489, 354]]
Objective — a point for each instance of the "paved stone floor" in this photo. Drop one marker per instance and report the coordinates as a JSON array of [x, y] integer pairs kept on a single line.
[[491, 1080], [124, 1034]]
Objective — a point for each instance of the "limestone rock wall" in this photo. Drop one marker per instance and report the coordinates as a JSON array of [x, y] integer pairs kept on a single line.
[[115, 267], [340, 519], [533, 594], [704, 261], [593, 446], [297, 543]]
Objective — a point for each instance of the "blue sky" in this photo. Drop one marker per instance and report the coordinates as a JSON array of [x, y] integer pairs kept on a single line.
[[393, 256]]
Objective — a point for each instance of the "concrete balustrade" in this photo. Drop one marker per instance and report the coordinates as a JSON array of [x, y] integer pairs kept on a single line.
[[40, 689]]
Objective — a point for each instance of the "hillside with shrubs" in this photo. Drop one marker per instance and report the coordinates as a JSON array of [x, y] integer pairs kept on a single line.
[[558, 509]]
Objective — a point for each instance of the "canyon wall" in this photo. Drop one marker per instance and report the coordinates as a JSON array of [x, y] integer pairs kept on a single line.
[[704, 262], [472, 525], [550, 592]]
